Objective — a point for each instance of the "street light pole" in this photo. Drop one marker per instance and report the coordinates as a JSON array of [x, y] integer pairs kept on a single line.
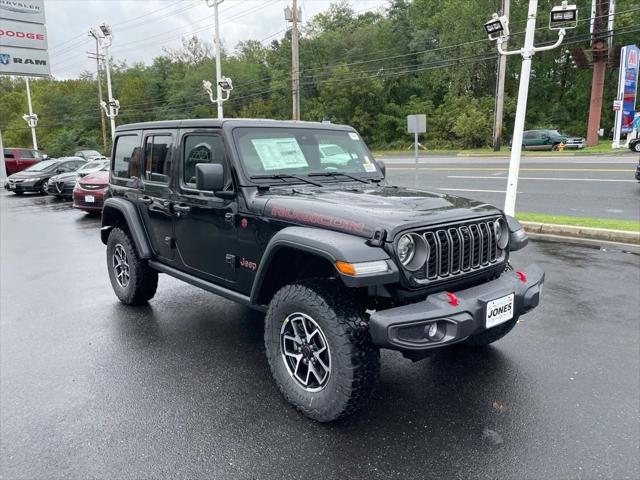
[[95, 33], [31, 119], [216, 40], [295, 73], [112, 106], [497, 28]]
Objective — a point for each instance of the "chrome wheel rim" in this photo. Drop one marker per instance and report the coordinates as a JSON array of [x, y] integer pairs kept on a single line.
[[305, 352], [121, 266]]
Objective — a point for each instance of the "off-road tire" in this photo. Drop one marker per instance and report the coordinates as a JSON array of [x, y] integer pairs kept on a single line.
[[143, 280], [355, 361], [489, 336]]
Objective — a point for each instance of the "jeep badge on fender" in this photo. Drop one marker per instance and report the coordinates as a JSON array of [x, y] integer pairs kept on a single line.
[[296, 219]]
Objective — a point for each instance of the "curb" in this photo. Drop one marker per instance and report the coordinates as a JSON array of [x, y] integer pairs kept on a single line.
[[604, 234]]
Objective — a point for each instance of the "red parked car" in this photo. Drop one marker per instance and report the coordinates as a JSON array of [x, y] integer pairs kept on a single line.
[[90, 191], [17, 159]]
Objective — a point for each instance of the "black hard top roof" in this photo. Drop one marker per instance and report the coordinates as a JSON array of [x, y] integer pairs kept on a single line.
[[231, 122]]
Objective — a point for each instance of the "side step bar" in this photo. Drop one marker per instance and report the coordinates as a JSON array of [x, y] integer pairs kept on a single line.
[[205, 285]]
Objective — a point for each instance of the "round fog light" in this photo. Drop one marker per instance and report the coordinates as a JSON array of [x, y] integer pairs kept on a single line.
[[435, 331]]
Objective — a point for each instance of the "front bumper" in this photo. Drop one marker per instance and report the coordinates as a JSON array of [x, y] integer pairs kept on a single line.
[[22, 187], [65, 189], [80, 199], [405, 328]]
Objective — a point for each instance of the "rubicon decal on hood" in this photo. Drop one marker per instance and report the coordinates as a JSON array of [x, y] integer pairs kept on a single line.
[[318, 219]]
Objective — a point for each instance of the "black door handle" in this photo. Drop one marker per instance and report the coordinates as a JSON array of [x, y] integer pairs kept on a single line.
[[147, 200], [180, 209]]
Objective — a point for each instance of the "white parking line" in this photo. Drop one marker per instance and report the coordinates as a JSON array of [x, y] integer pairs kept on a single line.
[[544, 178], [472, 190]]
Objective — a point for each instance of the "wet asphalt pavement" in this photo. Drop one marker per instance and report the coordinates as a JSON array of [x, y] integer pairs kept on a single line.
[[181, 389]]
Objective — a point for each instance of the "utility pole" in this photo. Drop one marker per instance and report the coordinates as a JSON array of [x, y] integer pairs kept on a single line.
[[3, 167], [295, 72], [32, 118], [502, 70], [600, 56], [112, 106], [562, 17], [95, 33]]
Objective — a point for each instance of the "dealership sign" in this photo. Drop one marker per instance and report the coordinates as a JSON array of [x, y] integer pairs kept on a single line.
[[26, 35], [31, 11], [630, 87], [23, 39], [24, 61]]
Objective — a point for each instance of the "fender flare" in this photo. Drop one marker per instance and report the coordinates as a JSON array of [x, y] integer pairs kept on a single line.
[[130, 213], [332, 246], [518, 238]]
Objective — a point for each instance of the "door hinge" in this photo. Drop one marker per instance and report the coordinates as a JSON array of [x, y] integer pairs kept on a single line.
[[170, 242], [231, 260]]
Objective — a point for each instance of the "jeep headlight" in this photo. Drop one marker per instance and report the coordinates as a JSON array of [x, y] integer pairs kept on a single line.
[[502, 233], [413, 251], [406, 249]]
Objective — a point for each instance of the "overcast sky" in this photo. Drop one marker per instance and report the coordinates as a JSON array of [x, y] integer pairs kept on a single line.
[[141, 28]]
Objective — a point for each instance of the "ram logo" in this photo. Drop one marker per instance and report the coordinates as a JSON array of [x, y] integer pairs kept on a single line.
[[4, 58]]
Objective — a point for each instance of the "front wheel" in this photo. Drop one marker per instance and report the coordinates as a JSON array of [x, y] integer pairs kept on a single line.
[[636, 147], [133, 281], [319, 350]]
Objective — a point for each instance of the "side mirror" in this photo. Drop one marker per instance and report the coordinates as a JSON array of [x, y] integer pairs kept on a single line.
[[382, 167], [209, 177], [60, 170], [45, 156]]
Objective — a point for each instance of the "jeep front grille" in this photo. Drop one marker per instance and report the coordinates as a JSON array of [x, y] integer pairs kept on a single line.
[[460, 249]]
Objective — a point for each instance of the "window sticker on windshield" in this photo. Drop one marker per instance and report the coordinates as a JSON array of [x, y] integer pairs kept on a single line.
[[278, 153], [369, 167], [354, 136]]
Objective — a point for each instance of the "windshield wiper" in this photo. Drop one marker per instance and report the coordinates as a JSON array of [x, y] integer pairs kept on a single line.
[[334, 174], [282, 176]]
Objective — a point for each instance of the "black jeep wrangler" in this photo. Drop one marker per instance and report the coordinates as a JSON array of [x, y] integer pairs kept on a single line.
[[296, 219]]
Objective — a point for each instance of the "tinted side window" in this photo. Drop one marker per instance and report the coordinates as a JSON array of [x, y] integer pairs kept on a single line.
[[24, 153], [127, 156], [158, 158], [8, 153], [201, 149]]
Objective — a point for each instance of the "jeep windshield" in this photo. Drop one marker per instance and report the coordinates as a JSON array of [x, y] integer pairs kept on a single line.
[[286, 153]]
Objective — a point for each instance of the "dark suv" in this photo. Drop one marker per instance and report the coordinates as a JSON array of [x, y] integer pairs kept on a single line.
[[296, 219]]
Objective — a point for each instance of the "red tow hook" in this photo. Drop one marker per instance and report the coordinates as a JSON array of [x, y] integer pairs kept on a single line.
[[522, 275], [453, 300]]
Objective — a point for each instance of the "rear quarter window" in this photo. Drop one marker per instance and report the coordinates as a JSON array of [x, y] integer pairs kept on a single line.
[[127, 156], [8, 153]]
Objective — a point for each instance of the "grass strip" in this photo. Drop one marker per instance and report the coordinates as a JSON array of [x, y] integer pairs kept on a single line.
[[608, 223]]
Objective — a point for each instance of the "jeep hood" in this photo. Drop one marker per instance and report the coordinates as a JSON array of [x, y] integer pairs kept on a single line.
[[363, 211]]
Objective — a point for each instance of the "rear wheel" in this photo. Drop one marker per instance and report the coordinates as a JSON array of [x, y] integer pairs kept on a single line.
[[133, 281], [319, 350], [489, 336], [636, 146]]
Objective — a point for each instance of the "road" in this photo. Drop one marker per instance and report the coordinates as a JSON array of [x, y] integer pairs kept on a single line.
[[181, 389], [584, 185]]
